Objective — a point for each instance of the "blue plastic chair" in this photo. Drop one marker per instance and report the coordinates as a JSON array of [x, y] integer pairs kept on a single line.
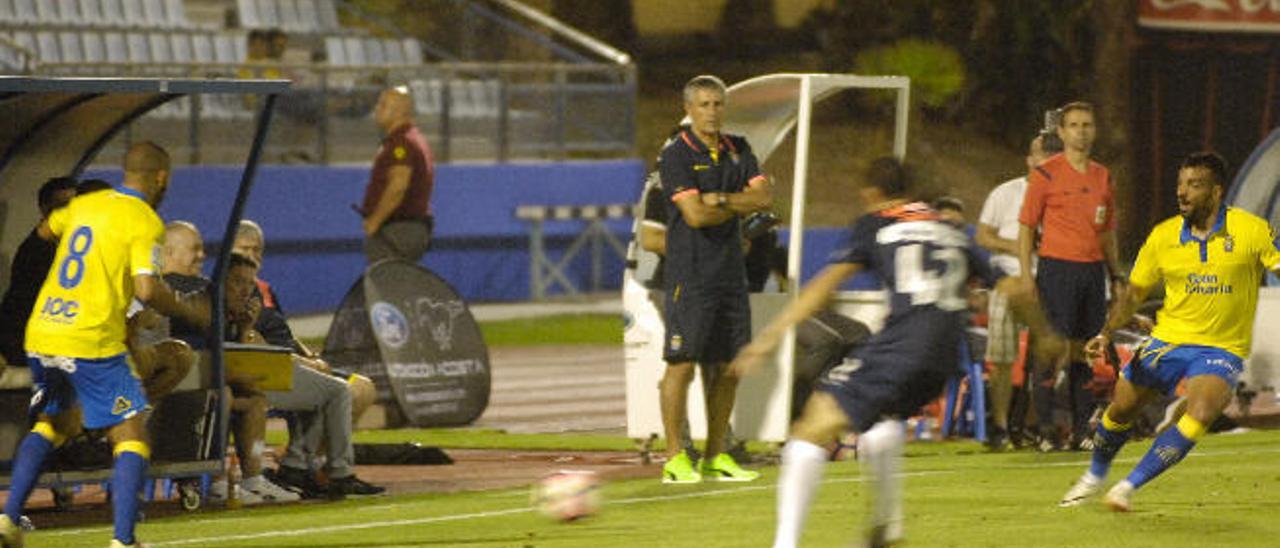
[[973, 408]]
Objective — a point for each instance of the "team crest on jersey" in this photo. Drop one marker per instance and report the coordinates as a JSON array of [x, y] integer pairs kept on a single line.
[[399, 153], [121, 405], [1228, 243]]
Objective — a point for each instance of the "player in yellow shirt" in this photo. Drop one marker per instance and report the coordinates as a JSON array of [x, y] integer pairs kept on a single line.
[[1209, 260], [108, 246]]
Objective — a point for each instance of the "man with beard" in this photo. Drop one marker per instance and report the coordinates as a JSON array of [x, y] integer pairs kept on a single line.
[[1208, 260]]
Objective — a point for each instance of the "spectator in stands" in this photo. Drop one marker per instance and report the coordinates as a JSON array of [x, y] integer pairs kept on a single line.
[[274, 327], [30, 266], [277, 43], [998, 232], [259, 63], [322, 395], [397, 201], [183, 261], [709, 179], [1069, 199]]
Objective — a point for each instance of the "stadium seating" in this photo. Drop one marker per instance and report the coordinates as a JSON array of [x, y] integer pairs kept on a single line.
[[124, 14], [354, 51], [295, 16]]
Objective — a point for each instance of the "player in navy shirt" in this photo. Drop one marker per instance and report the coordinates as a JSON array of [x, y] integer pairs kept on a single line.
[[925, 264]]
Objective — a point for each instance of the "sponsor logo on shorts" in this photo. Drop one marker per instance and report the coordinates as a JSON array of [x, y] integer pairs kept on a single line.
[[389, 324], [121, 405], [676, 343]]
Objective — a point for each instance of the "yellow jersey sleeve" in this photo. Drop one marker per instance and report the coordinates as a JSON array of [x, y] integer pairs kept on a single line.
[[1146, 268], [1269, 247], [144, 250]]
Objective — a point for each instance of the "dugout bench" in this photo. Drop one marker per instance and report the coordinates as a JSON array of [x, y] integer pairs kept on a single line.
[[56, 127]]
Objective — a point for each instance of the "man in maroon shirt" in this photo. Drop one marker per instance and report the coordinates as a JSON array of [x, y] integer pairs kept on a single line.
[[397, 210]]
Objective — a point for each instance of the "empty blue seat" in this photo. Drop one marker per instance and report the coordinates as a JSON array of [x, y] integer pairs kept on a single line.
[[91, 13], [47, 47], [95, 51], [139, 49], [176, 13], [158, 44], [116, 47], [69, 44], [133, 13], [153, 14], [24, 11], [180, 48], [69, 12]]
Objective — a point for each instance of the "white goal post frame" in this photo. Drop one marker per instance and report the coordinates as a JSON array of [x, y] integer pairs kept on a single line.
[[764, 109]]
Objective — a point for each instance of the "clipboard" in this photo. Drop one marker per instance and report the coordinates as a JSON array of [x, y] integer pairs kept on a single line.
[[272, 364]]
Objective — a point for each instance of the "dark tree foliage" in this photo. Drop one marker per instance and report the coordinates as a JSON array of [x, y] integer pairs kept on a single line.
[[1023, 56]]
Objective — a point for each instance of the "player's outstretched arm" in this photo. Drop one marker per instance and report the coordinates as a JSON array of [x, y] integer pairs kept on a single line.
[[193, 308], [813, 297]]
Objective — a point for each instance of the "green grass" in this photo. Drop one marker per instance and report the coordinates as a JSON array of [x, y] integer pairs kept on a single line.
[[554, 330], [547, 330], [957, 495]]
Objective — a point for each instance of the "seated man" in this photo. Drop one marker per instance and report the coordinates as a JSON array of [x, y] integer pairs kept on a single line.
[[183, 258], [322, 395], [274, 326], [305, 433]]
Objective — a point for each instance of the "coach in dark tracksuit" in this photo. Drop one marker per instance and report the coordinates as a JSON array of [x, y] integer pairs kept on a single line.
[[709, 179]]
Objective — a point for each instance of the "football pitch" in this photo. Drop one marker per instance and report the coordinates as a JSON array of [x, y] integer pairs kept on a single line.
[[957, 494]]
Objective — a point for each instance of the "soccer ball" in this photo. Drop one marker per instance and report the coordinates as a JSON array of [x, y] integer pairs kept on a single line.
[[567, 495]]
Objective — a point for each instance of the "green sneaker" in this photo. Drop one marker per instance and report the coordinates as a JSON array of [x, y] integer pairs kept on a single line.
[[679, 469], [10, 533], [724, 468]]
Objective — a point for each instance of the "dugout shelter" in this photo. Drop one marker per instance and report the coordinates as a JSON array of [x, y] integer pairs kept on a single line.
[[766, 110], [58, 126]]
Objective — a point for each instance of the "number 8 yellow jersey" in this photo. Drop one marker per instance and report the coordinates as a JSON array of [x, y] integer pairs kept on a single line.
[[105, 238]]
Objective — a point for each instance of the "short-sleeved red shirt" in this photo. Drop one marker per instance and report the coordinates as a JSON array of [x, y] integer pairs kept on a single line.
[[1071, 208], [405, 145]]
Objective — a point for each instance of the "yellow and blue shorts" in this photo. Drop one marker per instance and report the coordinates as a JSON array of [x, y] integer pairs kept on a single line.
[[1160, 365], [107, 389]]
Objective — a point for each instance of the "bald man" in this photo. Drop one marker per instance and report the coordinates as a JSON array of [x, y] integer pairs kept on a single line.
[[397, 210]]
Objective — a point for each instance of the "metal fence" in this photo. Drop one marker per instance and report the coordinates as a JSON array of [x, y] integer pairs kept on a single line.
[[469, 111]]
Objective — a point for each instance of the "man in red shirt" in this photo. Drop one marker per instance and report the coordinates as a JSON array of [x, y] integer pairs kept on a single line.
[[397, 210], [1070, 200]]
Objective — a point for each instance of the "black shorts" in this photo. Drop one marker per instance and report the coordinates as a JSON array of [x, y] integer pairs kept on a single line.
[[899, 370], [1074, 296], [705, 325]]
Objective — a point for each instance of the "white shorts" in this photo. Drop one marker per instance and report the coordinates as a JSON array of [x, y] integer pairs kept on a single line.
[[1002, 330]]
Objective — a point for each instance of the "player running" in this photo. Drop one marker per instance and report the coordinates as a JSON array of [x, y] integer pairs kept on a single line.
[[925, 263], [1208, 260], [108, 246]]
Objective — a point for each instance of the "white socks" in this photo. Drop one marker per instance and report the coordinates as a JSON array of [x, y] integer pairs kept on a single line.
[[880, 450], [802, 467]]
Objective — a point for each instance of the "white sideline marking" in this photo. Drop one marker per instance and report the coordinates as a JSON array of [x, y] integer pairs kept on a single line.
[[494, 513], [636, 500]]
